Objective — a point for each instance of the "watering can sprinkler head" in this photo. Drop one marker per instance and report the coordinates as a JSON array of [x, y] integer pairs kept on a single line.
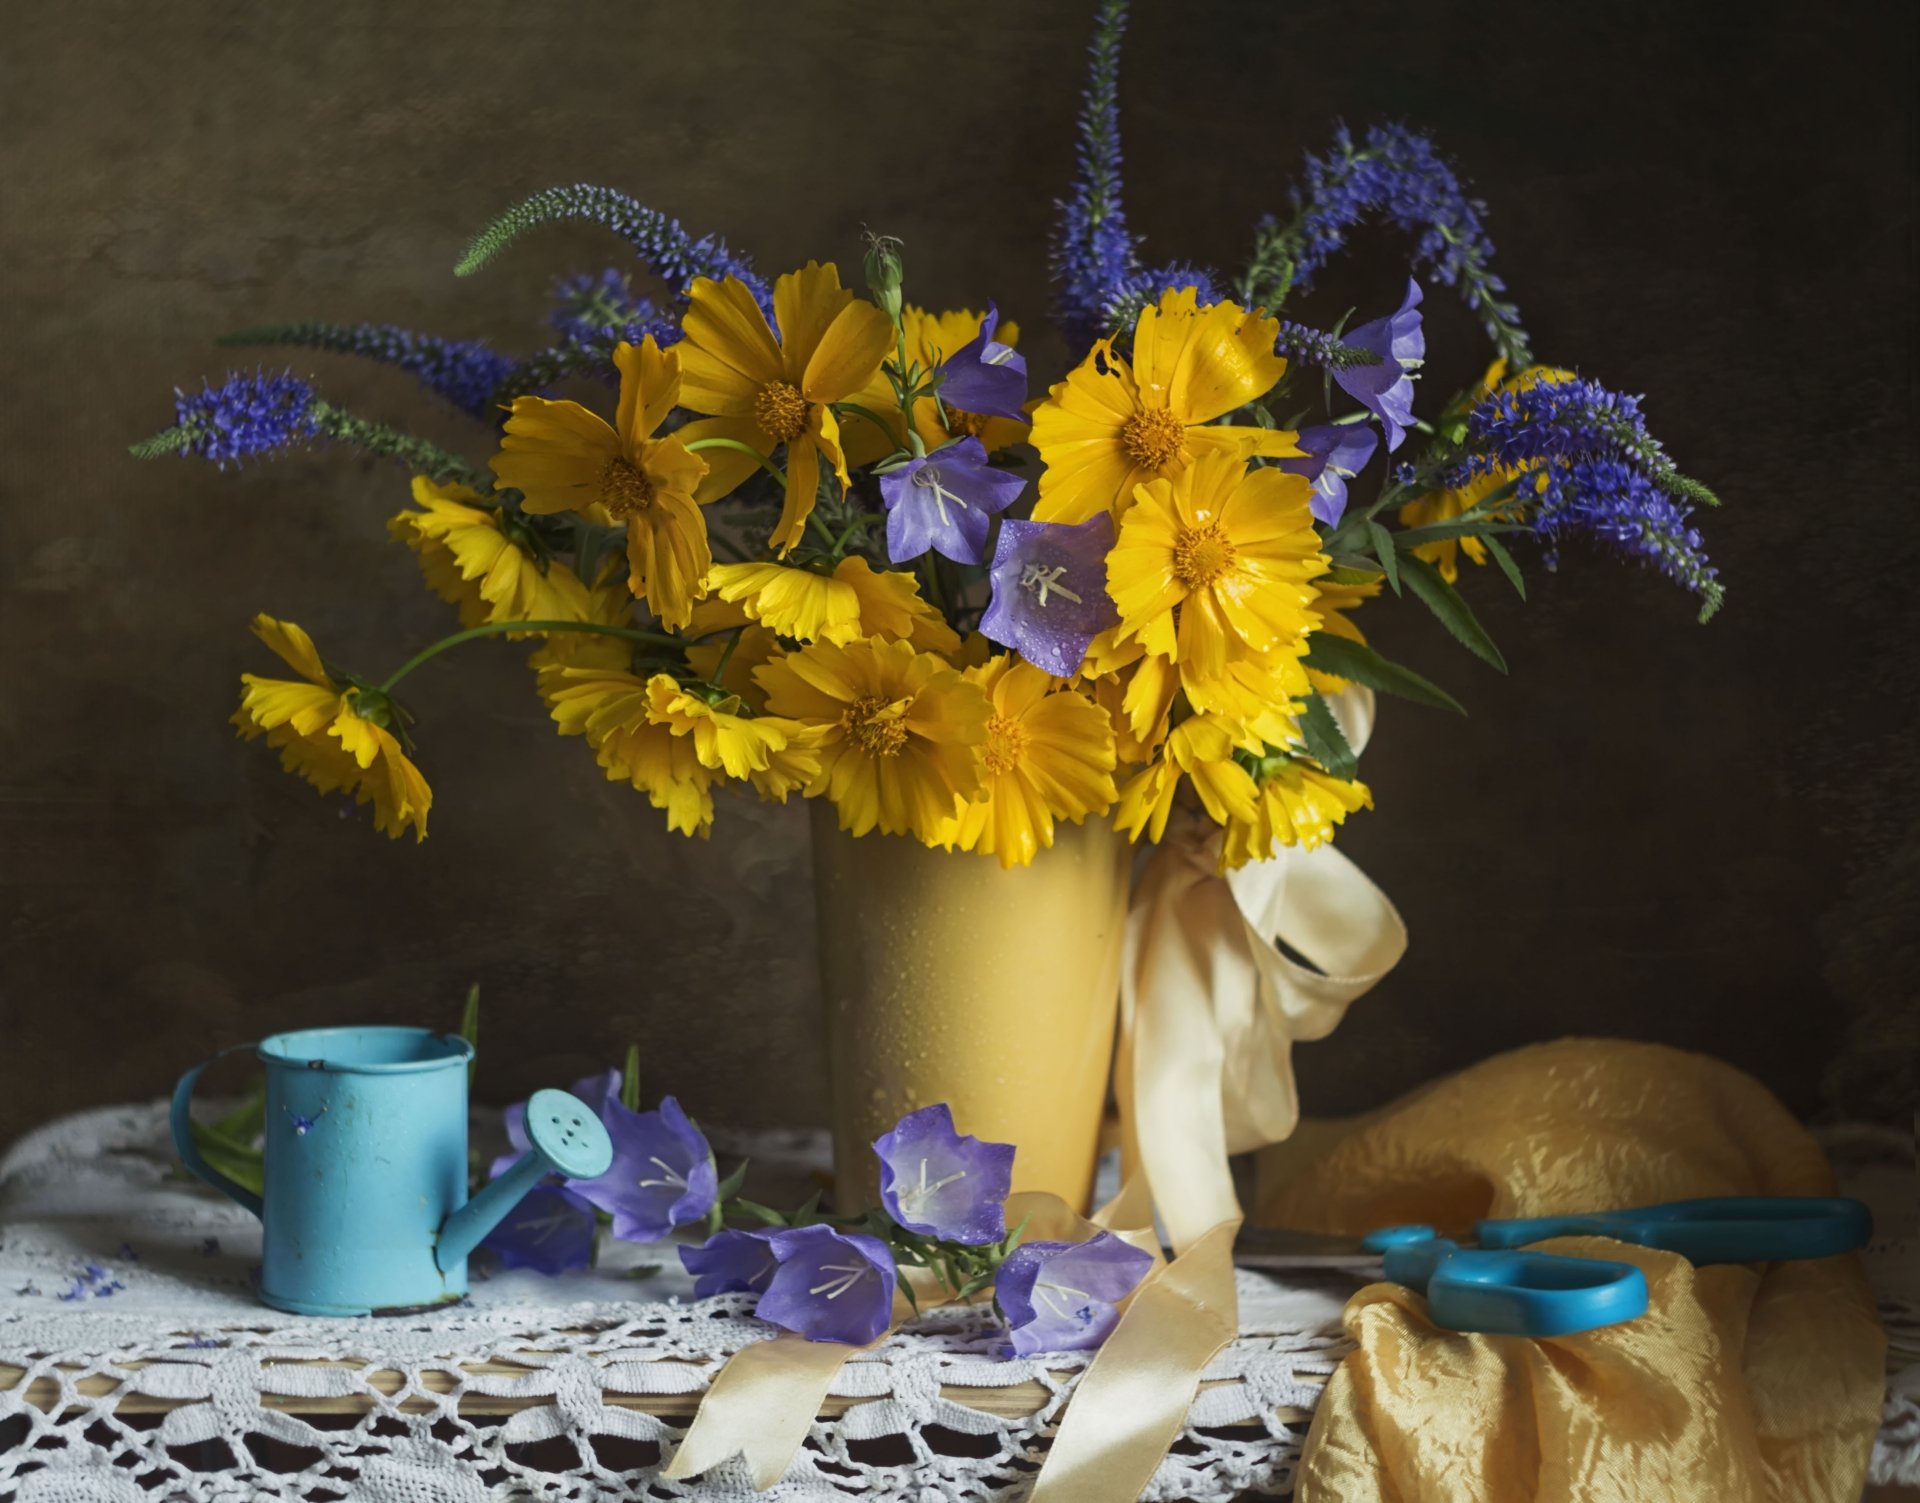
[[568, 1140]]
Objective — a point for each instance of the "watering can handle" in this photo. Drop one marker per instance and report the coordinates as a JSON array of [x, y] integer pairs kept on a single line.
[[182, 1123]]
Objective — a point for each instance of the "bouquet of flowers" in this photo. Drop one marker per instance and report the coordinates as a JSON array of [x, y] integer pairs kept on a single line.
[[798, 543]]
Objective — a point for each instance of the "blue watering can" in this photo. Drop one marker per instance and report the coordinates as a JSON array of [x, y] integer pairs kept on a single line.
[[366, 1209]]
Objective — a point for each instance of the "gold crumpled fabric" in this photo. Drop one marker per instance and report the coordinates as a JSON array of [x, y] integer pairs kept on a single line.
[[1740, 1385]]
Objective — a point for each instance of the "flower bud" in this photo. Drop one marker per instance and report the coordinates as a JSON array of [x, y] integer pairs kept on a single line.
[[885, 274]]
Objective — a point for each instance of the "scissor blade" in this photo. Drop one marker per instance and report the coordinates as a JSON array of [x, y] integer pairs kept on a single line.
[[1278, 1247]]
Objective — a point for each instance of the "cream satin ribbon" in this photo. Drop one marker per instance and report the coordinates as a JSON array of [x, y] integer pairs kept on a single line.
[[1210, 1008]]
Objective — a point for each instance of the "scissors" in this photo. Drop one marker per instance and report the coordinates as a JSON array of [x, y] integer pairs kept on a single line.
[[1495, 1288]]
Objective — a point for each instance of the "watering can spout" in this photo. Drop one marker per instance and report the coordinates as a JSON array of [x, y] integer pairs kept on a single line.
[[568, 1139]]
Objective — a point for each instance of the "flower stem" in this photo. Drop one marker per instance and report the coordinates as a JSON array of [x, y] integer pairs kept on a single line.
[[495, 628], [733, 443]]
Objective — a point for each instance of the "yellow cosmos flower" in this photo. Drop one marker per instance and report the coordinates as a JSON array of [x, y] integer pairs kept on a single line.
[[897, 731], [1214, 567], [738, 745], [471, 559], [930, 338], [1114, 424], [613, 710], [1337, 598], [1297, 804], [322, 735], [1049, 754], [561, 457], [1447, 505], [1200, 748], [765, 392], [854, 601]]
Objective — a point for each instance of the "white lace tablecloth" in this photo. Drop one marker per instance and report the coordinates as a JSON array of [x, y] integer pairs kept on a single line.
[[135, 1365]]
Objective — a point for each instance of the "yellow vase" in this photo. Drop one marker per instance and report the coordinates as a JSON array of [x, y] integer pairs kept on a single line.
[[949, 979]]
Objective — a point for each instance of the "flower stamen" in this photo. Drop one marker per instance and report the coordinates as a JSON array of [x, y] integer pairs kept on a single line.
[[928, 476], [851, 1273], [1202, 554], [1041, 581], [673, 1178], [873, 724], [781, 411], [625, 489], [1154, 438]]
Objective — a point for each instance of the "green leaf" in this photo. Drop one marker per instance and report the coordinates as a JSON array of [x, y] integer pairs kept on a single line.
[[1325, 742], [760, 1213], [630, 1080], [1507, 566], [730, 1186], [1344, 659], [237, 1161], [247, 1120], [905, 1286], [1439, 532], [1451, 610], [1384, 550], [470, 1027]]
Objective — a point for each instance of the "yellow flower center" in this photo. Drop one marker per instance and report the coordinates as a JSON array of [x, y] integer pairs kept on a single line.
[[965, 424], [872, 730], [1153, 437], [625, 489], [1006, 744], [780, 411], [1202, 554]]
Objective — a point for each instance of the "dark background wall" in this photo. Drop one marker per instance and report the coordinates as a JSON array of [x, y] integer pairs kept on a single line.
[[1702, 835]]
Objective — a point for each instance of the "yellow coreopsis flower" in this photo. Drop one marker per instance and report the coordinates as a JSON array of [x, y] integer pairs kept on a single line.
[[896, 731], [1213, 570], [1049, 754], [613, 710], [561, 457], [609, 603], [712, 619], [854, 601], [1115, 423], [325, 734], [1297, 803], [765, 392], [930, 338], [738, 745], [471, 559], [1200, 748]]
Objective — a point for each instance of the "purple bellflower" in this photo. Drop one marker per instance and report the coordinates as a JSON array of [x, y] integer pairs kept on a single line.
[[986, 376], [551, 1231], [662, 1174], [1050, 595], [1065, 1296], [941, 1183], [945, 501], [1332, 454], [830, 1285], [594, 1090], [731, 1261], [1386, 389]]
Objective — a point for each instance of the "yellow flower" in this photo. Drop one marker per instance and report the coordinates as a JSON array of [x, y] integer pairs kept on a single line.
[[1297, 803], [471, 559], [1213, 567], [608, 604], [897, 731], [1337, 597], [326, 735], [854, 601], [930, 339], [613, 710], [763, 392], [1114, 423], [561, 457], [1446, 505], [1048, 755], [738, 745], [1200, 748]]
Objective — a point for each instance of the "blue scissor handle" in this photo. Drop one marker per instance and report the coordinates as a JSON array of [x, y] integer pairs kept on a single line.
[[1517, 1293], [1721, 1229]]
